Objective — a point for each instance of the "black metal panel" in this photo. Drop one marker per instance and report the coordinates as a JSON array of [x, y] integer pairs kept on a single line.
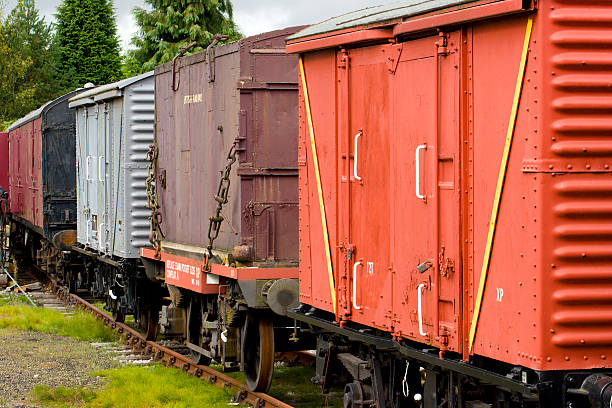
[[59, 167]]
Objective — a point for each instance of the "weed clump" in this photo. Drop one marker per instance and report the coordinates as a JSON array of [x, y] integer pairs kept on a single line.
[[139, 387], [80, 326], [62, 396]]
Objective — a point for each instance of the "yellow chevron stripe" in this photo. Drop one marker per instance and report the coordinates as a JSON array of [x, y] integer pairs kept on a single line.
[[315, 159], [500, 183]]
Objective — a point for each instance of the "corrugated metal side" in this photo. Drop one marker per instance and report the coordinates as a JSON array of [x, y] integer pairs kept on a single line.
[[114, 134], [576, 153], [4, 161], [138, 129]]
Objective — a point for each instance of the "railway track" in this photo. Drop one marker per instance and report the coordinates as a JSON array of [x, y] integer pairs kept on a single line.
[[169, 357]]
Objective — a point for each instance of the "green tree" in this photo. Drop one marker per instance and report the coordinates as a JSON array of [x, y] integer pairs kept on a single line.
[[14, 69], [29, 43], [88, 42], [172, 24]]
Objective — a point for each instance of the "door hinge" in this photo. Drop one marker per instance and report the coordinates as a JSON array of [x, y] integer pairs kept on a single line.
[[344, 60], [446, 265], [393, 60], [442, 43]]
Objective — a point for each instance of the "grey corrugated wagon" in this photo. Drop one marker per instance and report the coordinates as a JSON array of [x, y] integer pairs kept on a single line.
[[114, 128]]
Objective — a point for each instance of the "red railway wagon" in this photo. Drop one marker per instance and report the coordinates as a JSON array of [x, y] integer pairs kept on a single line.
[[4, 161], [455, 197], [226, 194], [42, 173]]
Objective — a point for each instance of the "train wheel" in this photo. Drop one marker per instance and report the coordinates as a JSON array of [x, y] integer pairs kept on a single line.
[[194, 330], [358, 395], [72, 282], [148, 320], [258, 352], [118, 316]]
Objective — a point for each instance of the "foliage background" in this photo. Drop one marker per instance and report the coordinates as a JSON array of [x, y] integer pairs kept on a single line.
[[42, 61]]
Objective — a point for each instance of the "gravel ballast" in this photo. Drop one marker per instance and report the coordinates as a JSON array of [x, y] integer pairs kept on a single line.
[[28, 359]]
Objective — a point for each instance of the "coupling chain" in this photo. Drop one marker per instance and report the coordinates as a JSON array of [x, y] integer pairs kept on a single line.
[[155, 219], [221, 198]]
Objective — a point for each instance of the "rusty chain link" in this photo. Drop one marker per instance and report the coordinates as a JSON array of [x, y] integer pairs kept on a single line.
[[221, 199], [155, 219]]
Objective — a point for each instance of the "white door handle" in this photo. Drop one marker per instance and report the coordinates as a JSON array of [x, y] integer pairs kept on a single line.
[[88, 231], [101, 168], [420, 294], [87, 168], [355, 306], [357, 136], [100, 237], [417, 162]]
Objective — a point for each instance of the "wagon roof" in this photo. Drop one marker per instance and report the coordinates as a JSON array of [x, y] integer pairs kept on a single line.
[[377, 15], [228, 48], [35, 114], [107, 91]]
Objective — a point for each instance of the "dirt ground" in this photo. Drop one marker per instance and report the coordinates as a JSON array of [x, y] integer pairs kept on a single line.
[[28, 359]]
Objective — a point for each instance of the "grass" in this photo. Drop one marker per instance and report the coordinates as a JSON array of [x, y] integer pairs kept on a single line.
[[11, 299], [14, 314], [62, 396], [157, 386], [149, 386], [138, 387], [293, 386]]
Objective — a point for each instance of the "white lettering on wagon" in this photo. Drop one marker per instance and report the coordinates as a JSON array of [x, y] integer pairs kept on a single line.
[[187, 99], [500, 294], [182, 272]]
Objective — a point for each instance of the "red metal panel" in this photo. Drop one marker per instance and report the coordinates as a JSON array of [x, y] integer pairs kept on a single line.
[[575, 140], [4, 161], [187, 273], [470, 13], [366, 219], [381, 230], [320, 69], [547, 300], [379, 34], [26, 172], [510, 286], [183, 272]]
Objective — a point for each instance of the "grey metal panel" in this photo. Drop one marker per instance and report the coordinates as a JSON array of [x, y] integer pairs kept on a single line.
[[111, 149], [377, 15], [138, 128]]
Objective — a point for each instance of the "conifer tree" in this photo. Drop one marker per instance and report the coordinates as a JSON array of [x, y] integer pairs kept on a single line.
[[88, 42], [31, 39], [27, 61], [173, 24], [12, 72]]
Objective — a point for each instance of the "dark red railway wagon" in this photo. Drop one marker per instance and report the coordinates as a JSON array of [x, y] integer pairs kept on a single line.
[[238, 97], [4, 161], [42, 175], [226, 191], [455, 174]]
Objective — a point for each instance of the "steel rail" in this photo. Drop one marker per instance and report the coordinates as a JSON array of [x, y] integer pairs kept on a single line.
[[171, 358]]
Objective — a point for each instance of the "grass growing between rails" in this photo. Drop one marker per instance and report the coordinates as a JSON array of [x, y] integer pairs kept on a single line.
[[15, 314], [139, 387]]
